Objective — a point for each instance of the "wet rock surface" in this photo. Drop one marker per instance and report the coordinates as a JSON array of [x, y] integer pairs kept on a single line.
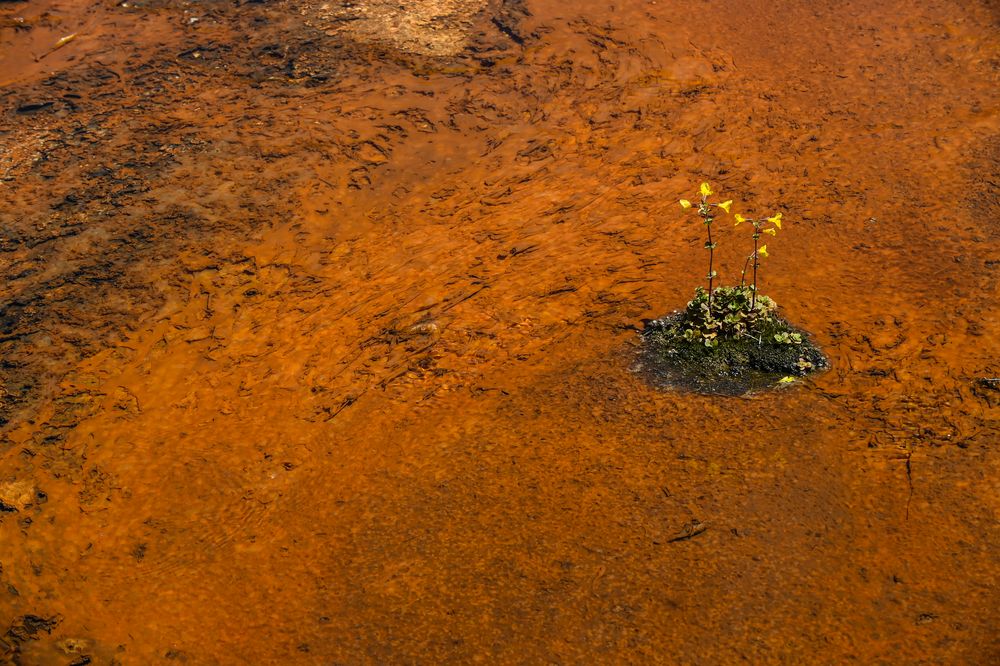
[[426, 27]]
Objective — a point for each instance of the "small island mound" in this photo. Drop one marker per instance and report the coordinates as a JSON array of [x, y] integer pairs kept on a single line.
[[729, 340], [739, 345]]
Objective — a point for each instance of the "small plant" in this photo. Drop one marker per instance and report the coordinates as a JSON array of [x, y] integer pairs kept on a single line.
[[705, 211], [758, 250], [732, 312], [738, 316], [729, 339]]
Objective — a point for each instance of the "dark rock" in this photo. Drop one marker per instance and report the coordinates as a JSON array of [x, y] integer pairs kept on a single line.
[[735, 366], [27, 627]]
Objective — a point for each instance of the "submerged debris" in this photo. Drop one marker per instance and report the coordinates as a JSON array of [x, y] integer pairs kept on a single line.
[[23, 629], [988, 389]]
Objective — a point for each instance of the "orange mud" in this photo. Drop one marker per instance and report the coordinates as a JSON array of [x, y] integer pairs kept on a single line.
[[317, 322]]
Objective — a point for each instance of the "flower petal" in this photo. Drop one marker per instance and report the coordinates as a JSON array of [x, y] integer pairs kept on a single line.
[[775, 220], [726, 205], [762, 251], [685, 204], [706, 190]]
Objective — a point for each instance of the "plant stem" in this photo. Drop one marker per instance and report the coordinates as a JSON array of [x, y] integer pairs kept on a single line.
[[706, 214], [711, 257], [756, 236], [743, 275]]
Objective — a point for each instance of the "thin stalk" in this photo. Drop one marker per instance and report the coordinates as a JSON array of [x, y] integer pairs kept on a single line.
[[706, 214], [746, 264], [756, 236], [711, 259]]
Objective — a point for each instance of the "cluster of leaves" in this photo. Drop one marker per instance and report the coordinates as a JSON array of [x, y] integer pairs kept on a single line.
[[731, 313]]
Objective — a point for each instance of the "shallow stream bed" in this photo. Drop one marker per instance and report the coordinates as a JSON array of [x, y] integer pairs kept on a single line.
[[316, 327]]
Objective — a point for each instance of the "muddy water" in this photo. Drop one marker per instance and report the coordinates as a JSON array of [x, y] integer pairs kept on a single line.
[[317, 325]]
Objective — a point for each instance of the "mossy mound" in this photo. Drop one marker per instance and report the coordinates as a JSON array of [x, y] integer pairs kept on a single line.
[[683, 351]]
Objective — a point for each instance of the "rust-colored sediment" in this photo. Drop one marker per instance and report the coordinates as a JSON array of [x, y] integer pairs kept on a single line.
[[317, 323]]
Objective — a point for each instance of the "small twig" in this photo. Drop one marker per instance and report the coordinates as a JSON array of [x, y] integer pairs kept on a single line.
[[61, 43], [690, 530]]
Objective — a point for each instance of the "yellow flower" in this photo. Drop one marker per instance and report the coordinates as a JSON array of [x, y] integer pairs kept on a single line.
[[685, 204], [726, 205], [773, 232], [739, 218], [762, 251], [775, 220], [706, 190]]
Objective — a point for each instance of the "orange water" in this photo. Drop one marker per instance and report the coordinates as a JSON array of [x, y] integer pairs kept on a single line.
[[319, 350]]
